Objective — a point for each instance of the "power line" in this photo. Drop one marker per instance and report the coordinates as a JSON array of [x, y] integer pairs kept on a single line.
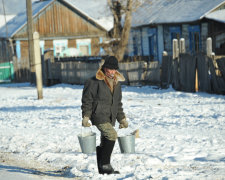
[[6, 27]]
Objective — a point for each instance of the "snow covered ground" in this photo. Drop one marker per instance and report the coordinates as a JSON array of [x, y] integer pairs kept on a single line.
[[182, 135]]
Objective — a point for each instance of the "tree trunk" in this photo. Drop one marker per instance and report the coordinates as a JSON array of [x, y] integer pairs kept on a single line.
[[120, 35], [125, 33]]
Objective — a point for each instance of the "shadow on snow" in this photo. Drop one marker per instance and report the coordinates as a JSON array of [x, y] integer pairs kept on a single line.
[[65, 172]]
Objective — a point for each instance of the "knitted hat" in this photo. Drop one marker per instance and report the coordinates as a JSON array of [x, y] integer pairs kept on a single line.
[[110, 62]]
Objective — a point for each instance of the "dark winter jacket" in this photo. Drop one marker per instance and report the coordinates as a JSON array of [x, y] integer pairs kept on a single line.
[[99, 103]]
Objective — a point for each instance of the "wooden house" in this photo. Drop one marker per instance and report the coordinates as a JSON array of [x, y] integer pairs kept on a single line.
[[216, 30], [61, 24], [157, 22]]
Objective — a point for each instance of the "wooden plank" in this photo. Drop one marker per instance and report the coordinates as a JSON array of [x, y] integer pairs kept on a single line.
[[152, 75], [221, 66], [134, 72], [123, 70], [203, 73], [166, 71], [77, 72], [175, 74], [214, 82], [187, 72]]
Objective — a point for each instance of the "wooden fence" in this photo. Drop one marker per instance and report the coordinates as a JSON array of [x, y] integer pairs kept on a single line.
[[77, 72], [193, 73]]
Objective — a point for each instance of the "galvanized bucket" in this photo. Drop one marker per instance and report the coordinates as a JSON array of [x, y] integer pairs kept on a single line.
[[87, 142], [127, 143]]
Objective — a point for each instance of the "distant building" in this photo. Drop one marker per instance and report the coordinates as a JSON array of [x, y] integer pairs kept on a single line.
[[80, 25], [157, 22], [61, 24]]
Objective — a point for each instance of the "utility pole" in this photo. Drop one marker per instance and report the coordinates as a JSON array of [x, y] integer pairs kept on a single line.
[[6, 27], [37, 60], [30, 40]]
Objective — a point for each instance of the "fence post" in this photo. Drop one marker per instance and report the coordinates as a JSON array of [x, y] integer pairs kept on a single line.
[[215, 63], [165, 53], [211, 54], [175, 49], [209, 47], [196, 80], [182, 45], [37, 60]]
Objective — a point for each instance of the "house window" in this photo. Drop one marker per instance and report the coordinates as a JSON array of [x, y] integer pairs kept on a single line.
[[151, 47], [84, 46], [152, 43], [18, 50], [194, 39], [59, 46]]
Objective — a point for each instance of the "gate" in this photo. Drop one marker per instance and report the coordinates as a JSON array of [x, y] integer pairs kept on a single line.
[[6, 72]]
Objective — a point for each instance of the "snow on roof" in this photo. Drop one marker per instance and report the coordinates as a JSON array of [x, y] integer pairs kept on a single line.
[[173, 11], [217, 16], [21, 18], [97, 10], [151, 12], [7, 18], [93, 11]]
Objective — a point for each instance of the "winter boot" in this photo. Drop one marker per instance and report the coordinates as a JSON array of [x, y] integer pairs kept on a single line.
[[98, 154], [105, 156]]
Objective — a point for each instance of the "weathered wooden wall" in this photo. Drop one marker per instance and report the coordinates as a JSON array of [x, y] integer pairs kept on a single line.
[[60, 20], [204, 83], [166, 72], [187, 72], [24, 51]]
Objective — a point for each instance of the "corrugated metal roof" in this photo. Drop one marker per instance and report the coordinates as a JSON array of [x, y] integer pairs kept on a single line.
[[217, 16], [151, 12], [173, 11]]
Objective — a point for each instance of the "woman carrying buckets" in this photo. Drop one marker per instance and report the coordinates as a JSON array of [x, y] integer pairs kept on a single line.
[[102, 105]]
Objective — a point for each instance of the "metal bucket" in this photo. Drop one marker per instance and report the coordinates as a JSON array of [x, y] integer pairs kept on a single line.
[[127, 144], [87, 142]]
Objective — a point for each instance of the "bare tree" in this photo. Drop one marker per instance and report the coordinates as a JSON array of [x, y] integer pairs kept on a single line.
[[121, 9]]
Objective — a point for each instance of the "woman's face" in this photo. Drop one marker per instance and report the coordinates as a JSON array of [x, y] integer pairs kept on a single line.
[[110, 72]]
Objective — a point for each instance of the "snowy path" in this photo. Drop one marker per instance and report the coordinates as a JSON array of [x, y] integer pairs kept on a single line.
[[181, 134]]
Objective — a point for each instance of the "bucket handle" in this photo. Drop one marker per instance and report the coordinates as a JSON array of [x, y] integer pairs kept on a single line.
[[130, 134], [82, 130]]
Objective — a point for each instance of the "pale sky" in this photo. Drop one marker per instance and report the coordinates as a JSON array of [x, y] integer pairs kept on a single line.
[[12, 6]]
